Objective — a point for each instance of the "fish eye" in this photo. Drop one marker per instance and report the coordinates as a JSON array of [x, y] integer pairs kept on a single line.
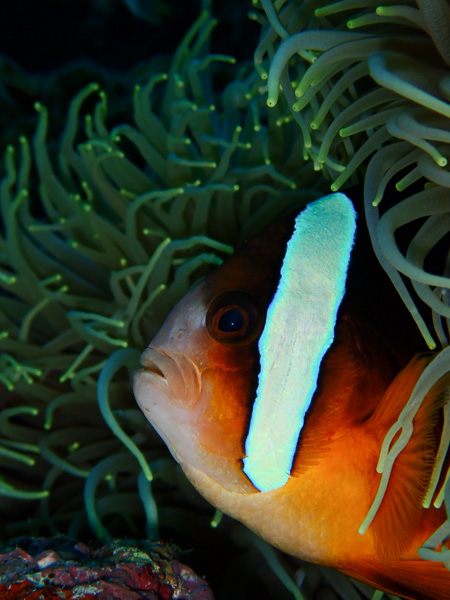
[[234, 318], [231, 321]]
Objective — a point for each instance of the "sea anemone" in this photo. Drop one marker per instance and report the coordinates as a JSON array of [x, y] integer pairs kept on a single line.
[[99, 238], [368, 86], [370, 106]]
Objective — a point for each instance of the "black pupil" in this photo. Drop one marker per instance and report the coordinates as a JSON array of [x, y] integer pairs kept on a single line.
[[232, 320]]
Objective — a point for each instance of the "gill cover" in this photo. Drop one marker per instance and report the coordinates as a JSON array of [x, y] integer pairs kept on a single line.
[[299, 330]]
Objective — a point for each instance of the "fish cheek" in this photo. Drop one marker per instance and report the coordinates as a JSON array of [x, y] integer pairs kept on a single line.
[[224, 407]]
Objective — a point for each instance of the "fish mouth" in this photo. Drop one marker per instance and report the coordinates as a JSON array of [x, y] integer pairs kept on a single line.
[[166, 388], [173, 373]]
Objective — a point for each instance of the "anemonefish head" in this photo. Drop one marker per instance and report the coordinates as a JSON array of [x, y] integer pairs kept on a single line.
[[228, 379]]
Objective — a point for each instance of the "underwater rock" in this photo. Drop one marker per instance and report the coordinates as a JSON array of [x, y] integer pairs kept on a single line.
[[124, 570]]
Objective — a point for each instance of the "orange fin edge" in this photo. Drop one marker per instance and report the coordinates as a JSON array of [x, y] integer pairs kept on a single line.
[[411, 579]]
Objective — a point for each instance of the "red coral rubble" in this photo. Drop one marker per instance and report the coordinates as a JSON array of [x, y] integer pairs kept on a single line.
[[59, 569]]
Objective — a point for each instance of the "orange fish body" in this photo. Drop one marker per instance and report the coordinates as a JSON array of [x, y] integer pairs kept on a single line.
[[197, 387]]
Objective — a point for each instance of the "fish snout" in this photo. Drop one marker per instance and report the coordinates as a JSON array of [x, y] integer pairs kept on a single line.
[[173, 372]]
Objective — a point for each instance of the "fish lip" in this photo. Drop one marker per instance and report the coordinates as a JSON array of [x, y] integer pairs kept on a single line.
[[179, 373], [150, 404]]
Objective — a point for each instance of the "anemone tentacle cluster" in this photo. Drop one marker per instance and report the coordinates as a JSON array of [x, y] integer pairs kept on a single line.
[[97, 243], [368, 86]]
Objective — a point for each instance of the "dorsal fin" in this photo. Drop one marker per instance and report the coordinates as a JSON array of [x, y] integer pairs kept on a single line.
[[401, 510]]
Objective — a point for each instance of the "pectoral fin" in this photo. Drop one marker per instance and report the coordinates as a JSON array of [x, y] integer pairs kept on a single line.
[[401, 510]]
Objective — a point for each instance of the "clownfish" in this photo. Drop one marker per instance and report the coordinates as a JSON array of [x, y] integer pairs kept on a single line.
[[275, 400]]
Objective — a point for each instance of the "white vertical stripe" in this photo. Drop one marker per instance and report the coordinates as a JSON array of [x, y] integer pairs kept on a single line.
[[299, 330]]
